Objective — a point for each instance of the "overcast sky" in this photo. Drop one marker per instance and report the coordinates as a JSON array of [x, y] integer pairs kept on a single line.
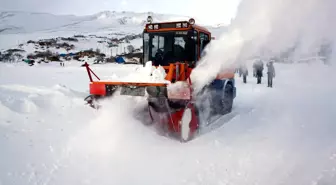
[[211, 11]]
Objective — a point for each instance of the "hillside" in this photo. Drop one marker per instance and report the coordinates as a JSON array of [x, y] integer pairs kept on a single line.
[[25, 34], [26, 22]]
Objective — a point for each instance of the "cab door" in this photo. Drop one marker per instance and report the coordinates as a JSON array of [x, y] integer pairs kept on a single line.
[[204, 41]]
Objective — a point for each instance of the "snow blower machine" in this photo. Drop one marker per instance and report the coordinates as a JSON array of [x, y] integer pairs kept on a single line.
[[175, 46]]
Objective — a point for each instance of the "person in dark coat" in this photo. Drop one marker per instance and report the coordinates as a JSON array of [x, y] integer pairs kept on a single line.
[[244, 71], [258, 67], [240, 71], [270, 74]]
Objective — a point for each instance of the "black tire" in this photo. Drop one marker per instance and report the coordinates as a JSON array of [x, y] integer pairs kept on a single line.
[[226, 101]]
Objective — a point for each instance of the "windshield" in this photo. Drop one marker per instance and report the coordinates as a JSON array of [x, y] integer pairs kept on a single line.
[[163, 48]]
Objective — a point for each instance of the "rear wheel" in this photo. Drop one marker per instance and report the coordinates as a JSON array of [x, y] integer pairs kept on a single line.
[[226, 101], [206, 104]]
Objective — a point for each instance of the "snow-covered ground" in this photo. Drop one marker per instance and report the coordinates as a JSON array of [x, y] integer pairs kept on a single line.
[[282, 135]]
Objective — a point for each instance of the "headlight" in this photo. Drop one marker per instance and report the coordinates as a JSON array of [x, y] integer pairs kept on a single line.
[[185, 25], [178, 25], [156, 26], [150, 27]]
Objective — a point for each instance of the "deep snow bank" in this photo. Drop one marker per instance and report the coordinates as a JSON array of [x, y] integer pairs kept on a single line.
[[34, 124], [283, 135]]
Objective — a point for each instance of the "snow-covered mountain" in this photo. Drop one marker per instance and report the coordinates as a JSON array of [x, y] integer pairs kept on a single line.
[[19, 27], [26, 22]]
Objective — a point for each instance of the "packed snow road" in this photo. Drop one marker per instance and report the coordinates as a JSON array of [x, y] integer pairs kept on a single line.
[[282, 135]]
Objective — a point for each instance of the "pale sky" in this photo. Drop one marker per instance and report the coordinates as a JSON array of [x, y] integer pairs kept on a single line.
[[210, 11]]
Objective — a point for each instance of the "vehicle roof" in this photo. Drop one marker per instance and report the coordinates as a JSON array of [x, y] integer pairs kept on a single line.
[[194, 26]]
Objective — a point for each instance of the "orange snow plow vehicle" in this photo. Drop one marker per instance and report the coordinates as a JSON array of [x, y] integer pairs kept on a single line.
[[175, 46]]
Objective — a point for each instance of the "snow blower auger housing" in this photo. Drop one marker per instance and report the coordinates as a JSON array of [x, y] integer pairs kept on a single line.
[[175, 46]]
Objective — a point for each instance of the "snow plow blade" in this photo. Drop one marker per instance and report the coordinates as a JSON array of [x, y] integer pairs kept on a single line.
[[101, 88], [169, 104], [140, 89]]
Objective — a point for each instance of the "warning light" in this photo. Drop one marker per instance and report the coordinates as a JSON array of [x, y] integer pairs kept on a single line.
[[192, 21], [150, 19]]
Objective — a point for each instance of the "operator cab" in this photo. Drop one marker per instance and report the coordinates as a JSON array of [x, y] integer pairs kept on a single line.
[[166, 43]]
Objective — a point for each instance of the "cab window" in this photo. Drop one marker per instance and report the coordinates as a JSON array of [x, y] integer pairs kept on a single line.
[[158, 44], [204, 40]]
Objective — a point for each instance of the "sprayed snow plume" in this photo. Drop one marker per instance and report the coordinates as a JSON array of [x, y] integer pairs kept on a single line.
[[265, 29]]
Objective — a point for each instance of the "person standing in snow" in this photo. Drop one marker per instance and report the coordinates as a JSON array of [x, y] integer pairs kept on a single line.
[[240, 71], [244, 71], [270, 74], [258, 67]]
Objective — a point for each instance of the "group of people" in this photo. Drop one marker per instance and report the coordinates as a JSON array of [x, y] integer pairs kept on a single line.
[[258, 68]]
